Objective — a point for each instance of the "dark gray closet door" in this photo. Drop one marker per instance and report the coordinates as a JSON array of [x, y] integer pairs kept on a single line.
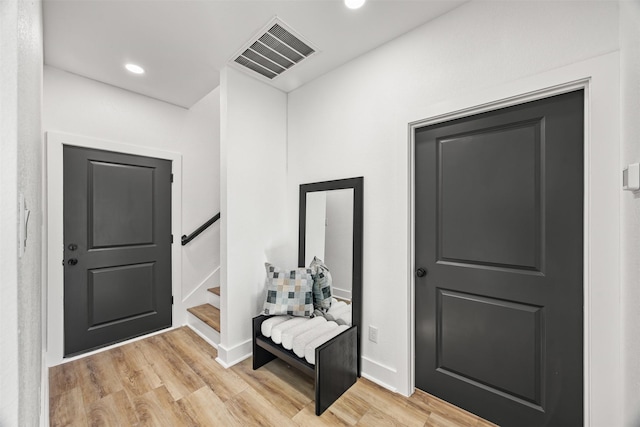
[[117, 237], [499, 241]]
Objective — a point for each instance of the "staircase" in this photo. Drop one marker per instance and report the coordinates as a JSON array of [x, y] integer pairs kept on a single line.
[[205, 318]]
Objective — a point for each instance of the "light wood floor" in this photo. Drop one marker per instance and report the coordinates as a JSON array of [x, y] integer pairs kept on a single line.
[[172, 379]]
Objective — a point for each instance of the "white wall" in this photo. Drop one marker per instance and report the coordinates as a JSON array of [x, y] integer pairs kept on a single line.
[[253, 175], [20, 171], [9, 213], [630, 133], [80, 106], [200, 144], [355, 121]]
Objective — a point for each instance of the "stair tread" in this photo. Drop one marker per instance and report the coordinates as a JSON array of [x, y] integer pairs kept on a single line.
[[215, 290], [208, 314]]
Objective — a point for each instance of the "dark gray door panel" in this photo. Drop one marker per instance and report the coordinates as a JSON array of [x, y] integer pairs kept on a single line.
[[499, 228], [117, 233]]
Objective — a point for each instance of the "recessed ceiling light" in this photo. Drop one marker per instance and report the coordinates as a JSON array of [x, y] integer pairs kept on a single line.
[[354, 4], [135, 69]]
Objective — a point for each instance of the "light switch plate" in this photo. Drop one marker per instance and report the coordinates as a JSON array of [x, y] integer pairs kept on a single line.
[[373, 334]]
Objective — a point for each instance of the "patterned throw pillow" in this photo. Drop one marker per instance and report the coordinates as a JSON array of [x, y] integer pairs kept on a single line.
[[288, 292], [321, 285]]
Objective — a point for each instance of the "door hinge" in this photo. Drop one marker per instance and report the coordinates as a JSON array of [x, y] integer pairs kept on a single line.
[[172, 238], [171, 299], [171, 177]]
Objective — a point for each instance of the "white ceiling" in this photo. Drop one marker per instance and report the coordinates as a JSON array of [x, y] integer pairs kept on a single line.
[[183, 44]]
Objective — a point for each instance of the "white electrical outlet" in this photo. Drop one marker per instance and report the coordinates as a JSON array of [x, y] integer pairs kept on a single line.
[[373, 334]]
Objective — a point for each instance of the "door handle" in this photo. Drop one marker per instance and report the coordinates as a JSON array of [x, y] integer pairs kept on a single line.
[[421, 272], [72, 261]]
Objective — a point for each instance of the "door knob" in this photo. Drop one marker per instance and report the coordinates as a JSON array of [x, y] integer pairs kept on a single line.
[[421, 272], [72, 261]]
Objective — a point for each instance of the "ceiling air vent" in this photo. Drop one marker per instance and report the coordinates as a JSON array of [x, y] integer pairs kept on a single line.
[[273, 51]]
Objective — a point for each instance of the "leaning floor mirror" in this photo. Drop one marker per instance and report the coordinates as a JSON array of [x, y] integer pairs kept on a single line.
[[331, 228]]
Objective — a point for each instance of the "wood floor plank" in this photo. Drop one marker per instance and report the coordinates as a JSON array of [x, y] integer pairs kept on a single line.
[[484, 423], [62, 378], [395, 405], [377, 418], [437, 420], [135, 358], [67, 409], [157, 408], [307, 418], [178, 377], [249, 408], [303, 384], [98, 377], [142, 381], [442, 409], [205, 408], [350, 408], [224, 382], [113, 410], [136, 376], [172, 379], [276, 389]]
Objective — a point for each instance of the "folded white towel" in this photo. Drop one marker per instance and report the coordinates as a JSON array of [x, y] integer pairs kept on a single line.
[[336, 305], [268, 324], [301, 341], [276, 331], [341, 310], [291, 333], [345, 317], [310, 349]]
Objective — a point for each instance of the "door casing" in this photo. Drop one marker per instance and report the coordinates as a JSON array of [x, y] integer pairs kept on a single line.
[[598, 247], [54, 288]]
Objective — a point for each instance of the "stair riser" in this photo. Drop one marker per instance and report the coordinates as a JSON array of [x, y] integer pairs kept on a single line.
[[204, 330], [213, 299]]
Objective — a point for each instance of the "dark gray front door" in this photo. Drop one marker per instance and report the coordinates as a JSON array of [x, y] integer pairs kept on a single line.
[[499, 239], [117, 237]]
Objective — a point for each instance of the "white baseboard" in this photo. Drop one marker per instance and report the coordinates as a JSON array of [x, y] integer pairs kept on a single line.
[[44, 393], [341, 293], [228, 357], [203, 336], [378, 373]]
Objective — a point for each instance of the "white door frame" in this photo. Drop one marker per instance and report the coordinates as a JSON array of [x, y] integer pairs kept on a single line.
[[599, 77], [55, 141]]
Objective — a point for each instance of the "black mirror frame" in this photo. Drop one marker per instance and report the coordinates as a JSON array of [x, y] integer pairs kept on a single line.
[[357, 184]]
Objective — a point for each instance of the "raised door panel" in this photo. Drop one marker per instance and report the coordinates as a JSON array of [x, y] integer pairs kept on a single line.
[[489, 196], [121, 205], [473, 330]]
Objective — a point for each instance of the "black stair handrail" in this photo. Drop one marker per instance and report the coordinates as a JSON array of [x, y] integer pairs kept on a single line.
[[186, 239]]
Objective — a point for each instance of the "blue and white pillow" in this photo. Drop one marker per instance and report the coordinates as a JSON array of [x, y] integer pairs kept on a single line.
[[321, 284], [288, 291]]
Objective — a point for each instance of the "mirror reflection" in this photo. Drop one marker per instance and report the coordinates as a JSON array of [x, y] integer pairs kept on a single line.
[[331, 228], [329, 235]]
